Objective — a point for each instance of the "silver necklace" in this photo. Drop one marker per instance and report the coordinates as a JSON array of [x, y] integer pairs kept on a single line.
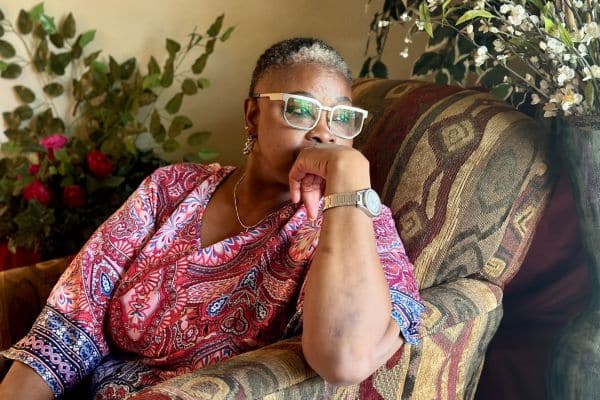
[[235, 202], [235, 205]]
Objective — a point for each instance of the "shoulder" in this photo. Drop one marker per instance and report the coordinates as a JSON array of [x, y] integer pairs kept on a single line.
[[187, 171]]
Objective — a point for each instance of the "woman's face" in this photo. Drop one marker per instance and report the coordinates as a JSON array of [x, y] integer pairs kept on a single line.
[[278, 144]]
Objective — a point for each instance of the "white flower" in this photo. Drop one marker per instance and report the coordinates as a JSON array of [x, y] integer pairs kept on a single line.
[[408, 40], [404, 17], [550, 110], [516, 14], [534, 60], [433, 4], [555, 46], [469, 31], [591, 31], [484, 26], [535, 99], [544, 85], [582, 48], [493, 29], [578, 3], [565, 74], [481, 55], [592, 72], [530, 79], [534, 19], [383, 23], [499, 46], [404, 53], [566, 97], [420, 24], [479, 5], [543, 45]]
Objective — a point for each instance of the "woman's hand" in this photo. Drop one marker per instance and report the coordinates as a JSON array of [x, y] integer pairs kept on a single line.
[[326, 168]]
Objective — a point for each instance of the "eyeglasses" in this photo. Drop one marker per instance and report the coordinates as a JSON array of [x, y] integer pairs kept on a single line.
[[302, 112]]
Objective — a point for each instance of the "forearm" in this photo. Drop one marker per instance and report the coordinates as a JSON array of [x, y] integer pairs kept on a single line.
[[347, 307], [22, 382]]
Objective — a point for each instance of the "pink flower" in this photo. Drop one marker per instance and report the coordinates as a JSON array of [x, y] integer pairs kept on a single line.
[[34, 169], [54, 142], [37, 191]]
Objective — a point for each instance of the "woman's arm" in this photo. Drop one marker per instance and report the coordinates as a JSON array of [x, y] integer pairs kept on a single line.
[[22, 382], [348, 331]]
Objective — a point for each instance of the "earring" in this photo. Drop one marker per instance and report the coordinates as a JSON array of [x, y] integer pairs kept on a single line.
[[249, 145]]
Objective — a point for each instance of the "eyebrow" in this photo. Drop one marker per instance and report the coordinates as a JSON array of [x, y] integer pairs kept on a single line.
[[307, 94]]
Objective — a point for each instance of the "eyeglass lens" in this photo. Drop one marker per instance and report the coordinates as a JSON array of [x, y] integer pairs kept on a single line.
[[303, 114]]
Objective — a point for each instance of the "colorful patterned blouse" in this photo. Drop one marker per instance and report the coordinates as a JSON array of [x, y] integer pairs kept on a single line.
[[144, 300]]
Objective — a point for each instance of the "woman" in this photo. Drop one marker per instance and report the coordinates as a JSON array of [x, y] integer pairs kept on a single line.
[[205, 262]]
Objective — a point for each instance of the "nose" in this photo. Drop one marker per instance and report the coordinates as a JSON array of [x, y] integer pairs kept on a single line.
[[320, 133]]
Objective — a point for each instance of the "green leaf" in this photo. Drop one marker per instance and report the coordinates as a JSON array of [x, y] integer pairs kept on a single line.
[[174, 104], [427, 63], [214, 29], [155, 122], [151, 81], [127, 68], [189, 87], [47, 24], [36, 12], [198, 138], [112, 181], [565, 36], [153, 67], [25, 94], [10, 148], [203, 83], [227, 33], [3, 66], [54, 89], [589, 94], [89, 59], [492, 77], [24, 23], [168, 74], [199, 64], [86, 38], [68, 27], [207, 154], [472, 14], [114, 68], [424, 16], [502, 91], [379, 69], [24, 112], [99, 67], [40, 58], [11, 71], [57, 40], [179, 124], [170, 145], [6, 49], [210, 46], [172, 47], [59, 62]]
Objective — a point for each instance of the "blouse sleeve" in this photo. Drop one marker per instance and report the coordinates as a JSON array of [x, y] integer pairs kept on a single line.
[[404, 291], [67, 340]]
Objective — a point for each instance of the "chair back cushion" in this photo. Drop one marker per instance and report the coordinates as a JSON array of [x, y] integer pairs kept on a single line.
[[465, 174]]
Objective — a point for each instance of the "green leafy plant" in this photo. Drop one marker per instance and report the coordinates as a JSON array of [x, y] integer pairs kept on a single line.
[[59, 177], [532, 52]]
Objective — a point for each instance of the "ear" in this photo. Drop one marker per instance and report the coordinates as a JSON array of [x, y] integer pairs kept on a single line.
[[251, 116]]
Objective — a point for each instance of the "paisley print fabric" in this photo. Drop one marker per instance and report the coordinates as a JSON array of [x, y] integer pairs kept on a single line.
[[145, 301]]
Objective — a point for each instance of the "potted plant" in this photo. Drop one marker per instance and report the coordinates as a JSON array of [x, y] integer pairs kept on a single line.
[[60, 178]]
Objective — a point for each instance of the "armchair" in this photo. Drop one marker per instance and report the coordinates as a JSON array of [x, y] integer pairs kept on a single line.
[[467, 178]]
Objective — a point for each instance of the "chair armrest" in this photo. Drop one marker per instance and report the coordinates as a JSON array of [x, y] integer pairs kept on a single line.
[[23, 293], [280, 370]]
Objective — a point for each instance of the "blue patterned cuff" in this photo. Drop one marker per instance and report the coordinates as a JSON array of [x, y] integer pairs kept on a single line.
[[407, 313], [58, 350]]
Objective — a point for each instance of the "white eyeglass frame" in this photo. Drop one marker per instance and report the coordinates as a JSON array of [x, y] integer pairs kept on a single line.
[[285, 96]]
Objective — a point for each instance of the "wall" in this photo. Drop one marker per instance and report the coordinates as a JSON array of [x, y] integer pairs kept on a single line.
[[138, 28]]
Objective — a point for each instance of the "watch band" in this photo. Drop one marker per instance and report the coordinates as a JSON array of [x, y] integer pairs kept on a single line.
[[366, 200], [340, 199]]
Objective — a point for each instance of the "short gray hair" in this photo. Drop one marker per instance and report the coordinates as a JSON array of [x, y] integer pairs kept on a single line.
[[299, 51]]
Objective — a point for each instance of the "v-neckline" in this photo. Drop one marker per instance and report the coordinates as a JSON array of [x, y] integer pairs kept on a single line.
[[215, 181]]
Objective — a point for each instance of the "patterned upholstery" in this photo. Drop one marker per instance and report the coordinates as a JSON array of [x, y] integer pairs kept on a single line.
[[467, 179]]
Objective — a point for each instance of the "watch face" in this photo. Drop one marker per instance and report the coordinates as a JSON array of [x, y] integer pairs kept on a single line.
[[372, 202]]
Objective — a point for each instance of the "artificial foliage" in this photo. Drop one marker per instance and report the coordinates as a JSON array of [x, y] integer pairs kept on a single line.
[[61, 177]]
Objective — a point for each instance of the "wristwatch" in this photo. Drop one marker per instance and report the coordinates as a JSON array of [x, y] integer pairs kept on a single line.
[[365, 199]]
